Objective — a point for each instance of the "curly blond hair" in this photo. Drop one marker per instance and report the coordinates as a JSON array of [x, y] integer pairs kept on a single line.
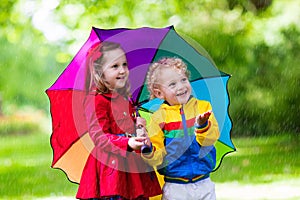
[[154, 71], [95, 63]]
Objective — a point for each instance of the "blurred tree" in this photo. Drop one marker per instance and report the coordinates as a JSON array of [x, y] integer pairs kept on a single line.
[[27, 61], [250, 5], [254, 40], [261, 58]]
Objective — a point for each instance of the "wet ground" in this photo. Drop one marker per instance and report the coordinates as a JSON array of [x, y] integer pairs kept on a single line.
[[283, 190]]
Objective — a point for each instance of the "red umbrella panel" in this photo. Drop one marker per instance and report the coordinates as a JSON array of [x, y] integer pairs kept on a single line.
[[70, 140]]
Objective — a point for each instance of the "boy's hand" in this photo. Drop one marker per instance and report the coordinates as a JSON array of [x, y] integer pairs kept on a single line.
[[202, 118]]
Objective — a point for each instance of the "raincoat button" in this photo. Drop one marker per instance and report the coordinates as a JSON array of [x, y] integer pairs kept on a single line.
[[125, 113], [113, 162]]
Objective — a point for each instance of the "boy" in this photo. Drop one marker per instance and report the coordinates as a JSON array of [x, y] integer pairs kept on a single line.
[[182, 132]]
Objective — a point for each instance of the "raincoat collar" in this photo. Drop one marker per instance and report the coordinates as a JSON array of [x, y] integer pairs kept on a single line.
[[113, 95]]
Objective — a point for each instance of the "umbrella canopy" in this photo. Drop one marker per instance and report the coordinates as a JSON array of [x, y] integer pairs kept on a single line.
[[70, 140]]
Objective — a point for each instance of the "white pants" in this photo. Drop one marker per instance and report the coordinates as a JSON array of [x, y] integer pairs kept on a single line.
[[201, 190]]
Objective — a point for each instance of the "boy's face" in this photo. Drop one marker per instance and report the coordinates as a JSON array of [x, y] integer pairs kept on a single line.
[[173, 86]]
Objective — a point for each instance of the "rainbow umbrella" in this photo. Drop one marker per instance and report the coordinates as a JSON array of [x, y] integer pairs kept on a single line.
[[70, 140]]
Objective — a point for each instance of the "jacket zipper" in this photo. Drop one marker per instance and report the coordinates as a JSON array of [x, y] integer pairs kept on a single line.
[[186, 133]]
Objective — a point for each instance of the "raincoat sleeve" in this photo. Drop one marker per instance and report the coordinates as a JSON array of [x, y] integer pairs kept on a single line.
[[156, 136], [209, 133], [97, 115]]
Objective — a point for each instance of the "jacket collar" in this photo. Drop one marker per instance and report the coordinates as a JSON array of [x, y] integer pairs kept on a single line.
[[166, 105]]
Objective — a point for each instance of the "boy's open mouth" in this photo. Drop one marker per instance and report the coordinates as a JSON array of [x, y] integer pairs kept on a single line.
[[182, 93]]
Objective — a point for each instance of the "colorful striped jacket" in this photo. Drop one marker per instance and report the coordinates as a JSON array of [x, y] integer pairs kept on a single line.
[[182, 152]]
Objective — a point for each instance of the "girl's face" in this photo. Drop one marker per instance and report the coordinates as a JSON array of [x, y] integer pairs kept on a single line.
[[115, 70], [173, 86]]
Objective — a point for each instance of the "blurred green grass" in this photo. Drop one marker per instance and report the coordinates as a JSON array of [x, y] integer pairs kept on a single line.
[[25, 165], [25, 171], [261, 159]]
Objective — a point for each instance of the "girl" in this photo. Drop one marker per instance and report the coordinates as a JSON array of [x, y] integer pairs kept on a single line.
[[114, 169]]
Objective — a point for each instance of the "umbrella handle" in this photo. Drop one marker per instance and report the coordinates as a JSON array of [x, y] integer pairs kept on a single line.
[[145, 148]]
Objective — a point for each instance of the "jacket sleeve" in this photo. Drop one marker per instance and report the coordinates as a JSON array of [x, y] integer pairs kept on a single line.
[[209, 133], [97, 116], [156, 136]]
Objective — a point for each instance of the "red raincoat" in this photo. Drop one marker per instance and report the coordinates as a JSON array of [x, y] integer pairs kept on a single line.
[[112, 169]]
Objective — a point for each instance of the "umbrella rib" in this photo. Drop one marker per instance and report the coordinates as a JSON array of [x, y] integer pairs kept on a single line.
[[98, 34], [233, 148], [62, 89], [142, 87], [222, 75], [206, 56], [70, 145], [145, 110]]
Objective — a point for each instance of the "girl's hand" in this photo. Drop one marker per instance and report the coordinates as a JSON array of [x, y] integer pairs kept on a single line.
[[202, 118], [136, 142], [142, 132]]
